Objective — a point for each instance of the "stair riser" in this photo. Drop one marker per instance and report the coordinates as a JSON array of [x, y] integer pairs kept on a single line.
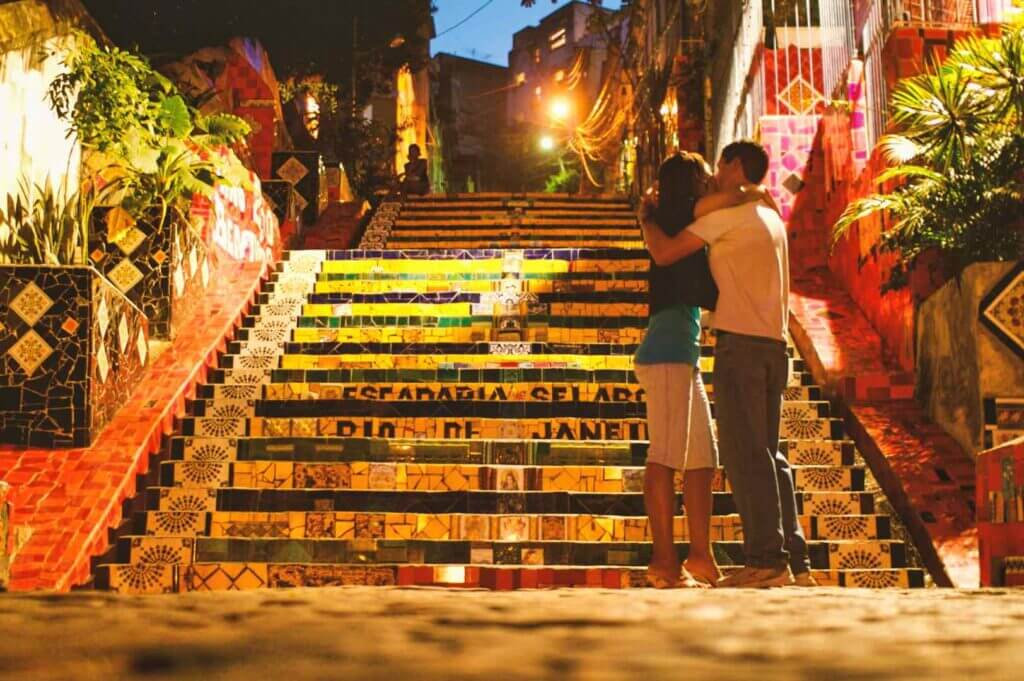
[[449, 527], [157, 579], [537, 453], [878, 555], [461, 427], [474, 502], [457, 478]]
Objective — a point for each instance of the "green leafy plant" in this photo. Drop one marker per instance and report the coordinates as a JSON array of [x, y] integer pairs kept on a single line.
[[44, 226], [958, 150], [162, 150], [105, 93], [567, 179]]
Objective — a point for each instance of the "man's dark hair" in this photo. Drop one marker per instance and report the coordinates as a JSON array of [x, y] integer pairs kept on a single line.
[[414, 146], [753, 157]]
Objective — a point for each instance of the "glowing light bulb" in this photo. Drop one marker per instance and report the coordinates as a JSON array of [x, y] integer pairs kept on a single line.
[[560, 108], [547, 143]]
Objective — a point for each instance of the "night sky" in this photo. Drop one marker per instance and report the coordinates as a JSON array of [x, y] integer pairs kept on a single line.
[[488, 35]]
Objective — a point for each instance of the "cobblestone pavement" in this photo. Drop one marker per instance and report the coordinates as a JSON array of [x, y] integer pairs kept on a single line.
[[394, 634]]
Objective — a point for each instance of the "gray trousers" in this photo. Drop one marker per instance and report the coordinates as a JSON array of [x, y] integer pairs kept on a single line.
[[750, 376]]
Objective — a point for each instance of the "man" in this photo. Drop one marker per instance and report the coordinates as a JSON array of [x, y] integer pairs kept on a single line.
[[750, 263]]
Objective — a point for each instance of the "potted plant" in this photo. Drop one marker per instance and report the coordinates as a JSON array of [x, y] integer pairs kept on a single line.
[[142, 137]]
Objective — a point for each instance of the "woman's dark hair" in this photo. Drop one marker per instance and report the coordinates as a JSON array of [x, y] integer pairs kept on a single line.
[[689, 282], [414, 147], [680, 180]]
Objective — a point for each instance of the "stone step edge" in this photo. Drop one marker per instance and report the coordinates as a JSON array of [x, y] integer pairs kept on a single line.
[[490, 577]]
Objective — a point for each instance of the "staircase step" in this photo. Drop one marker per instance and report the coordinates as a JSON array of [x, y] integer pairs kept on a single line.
[[493, 400], [448, 526], [461, 426], [160, 578], [456, 406], [474, 502], [426, 477], [877, 554], [479, 452]]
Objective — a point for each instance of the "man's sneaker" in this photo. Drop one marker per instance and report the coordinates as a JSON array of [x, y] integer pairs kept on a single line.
[[804, 579], [757, 578]]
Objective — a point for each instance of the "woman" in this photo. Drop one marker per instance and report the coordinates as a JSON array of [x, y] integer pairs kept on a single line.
[[666, 365]]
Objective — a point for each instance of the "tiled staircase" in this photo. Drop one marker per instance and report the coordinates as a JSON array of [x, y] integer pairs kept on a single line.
[[458, 409]]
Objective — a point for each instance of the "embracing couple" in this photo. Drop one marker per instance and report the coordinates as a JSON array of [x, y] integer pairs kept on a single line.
[[717, 242]]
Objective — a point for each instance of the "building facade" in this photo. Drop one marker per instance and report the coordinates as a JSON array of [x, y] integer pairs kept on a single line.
[[558, 59], [470, 108]]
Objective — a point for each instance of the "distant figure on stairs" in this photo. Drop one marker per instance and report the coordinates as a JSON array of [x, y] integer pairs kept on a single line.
[[415, 179]]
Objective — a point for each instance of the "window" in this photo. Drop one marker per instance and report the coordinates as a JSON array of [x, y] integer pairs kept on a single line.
[[536, 55], [537, 91], [559, 75], [520, 78], [557, 39]]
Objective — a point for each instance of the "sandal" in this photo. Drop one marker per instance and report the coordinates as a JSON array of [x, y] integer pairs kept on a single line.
[[688, 581], [707, 580]]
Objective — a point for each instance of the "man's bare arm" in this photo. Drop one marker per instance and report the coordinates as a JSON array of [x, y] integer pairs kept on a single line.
[[665, 249], [709, 203]]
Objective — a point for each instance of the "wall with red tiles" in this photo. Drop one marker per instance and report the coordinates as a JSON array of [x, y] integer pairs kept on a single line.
[[6, 535], [1000, 488], [793, 81], [254, 96], [838, 169]]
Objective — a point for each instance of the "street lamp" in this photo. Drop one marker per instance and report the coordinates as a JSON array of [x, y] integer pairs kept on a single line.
[[547, 143], [560, 109]]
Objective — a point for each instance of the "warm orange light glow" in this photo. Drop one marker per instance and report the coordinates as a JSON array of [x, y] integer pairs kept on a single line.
[[547, 143], [560, 108], [405, 101]]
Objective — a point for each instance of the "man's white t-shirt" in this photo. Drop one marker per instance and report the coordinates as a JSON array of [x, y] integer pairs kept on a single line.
[[749, 260]]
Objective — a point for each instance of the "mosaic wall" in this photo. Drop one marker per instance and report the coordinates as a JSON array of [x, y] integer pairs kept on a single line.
[[970, 361], [793, 81], [250, 79], [279, 196], [1002, 310], [72, 349], [306, 171], [163, 271], [238, 222], [1004, 420], [1000, 503]]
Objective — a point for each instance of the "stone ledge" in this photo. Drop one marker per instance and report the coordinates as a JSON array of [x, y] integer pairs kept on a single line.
[[69, 499], [6, 536]]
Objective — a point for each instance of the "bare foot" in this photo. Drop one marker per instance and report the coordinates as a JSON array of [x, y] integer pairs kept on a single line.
[[662, 576], [703, 569]]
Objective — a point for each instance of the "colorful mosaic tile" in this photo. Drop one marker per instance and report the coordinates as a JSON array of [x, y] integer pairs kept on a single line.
[[1002, 310], [459, 415]]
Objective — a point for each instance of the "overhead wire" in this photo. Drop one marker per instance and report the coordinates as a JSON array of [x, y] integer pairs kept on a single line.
[[472, 14]]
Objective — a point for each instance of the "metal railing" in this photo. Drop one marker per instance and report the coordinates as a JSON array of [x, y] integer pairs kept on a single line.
[[838, 45], [945, 13], [993, 11], [738, 96], [876, 96], [827, 34]]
